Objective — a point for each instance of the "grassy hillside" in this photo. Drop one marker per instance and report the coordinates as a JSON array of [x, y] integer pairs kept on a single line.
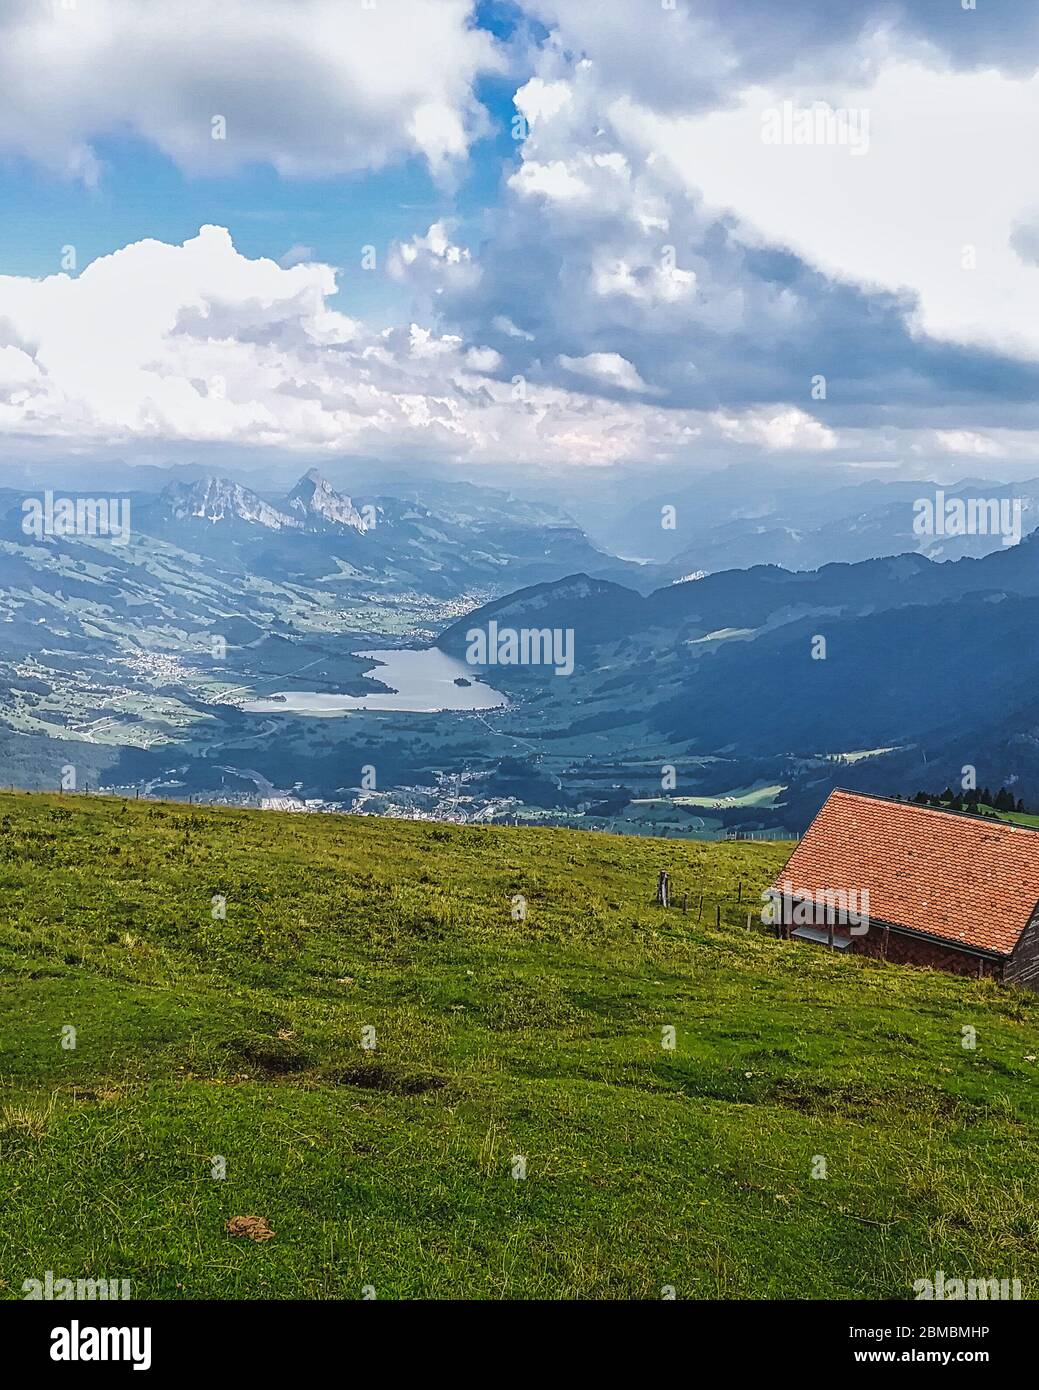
[[198, 1037]]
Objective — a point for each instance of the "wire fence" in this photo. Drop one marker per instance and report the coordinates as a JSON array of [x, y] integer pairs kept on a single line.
[[742, 909]]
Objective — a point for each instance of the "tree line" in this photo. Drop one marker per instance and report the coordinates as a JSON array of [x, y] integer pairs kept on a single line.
[[980, 800]]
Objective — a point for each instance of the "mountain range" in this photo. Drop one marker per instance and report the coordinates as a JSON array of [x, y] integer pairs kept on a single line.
[[312, 505], [134, 662], [733, 520], [126, 660], [889, 674]]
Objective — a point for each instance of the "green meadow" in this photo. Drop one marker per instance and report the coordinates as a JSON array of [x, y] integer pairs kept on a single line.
[[436, 1060]]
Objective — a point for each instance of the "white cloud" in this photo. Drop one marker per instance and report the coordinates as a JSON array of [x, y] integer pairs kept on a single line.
[[629, 298], [436, 245], [505, 325], [605, 368], [967, 442], [201, 343], [424, 343], [783, 429], [312, 87], [432, 261], [613, 274], [483, 359], [539, 100], [936, 206], [649, 243], [554, 181]]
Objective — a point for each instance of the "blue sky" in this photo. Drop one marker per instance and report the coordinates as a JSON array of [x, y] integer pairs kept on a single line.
[[650, 277], [143, 193]]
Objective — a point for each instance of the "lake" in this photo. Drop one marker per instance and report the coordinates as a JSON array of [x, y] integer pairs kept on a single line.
[[423, 682]]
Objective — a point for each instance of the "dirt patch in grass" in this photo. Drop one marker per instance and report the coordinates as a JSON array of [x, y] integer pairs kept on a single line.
[[861, 1102], [378, 1076], [269, 1056]]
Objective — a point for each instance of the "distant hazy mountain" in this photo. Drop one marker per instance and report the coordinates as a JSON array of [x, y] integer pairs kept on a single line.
[[129, 659], [733, 521], [797, 539], [936, 662], [213, 535], [218, 500], [315, 503], [311, 505]]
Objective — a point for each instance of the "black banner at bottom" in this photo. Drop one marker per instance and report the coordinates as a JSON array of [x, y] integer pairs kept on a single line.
[[165, 1339]]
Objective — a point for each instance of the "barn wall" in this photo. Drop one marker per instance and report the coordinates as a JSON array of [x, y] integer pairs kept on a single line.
[[911, 950], [1023, 966], [903, 948]]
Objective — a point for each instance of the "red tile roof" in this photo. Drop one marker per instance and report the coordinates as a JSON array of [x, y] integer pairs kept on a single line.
[[960, 878]]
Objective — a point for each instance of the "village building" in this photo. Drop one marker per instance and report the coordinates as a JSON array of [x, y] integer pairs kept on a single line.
[[909, 883]]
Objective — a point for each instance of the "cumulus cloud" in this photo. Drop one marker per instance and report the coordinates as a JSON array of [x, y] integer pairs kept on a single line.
[[315, 87], [652, 280], [538, 100], [198, 342], [719, 276], [161, 340], [936, 208], [483, 359], [699, 57], [967, 442], [784, 429], [432, 259], [606, 247], [606, 368]]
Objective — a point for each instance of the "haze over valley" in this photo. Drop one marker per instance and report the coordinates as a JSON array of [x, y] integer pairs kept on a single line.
[[311, 649]]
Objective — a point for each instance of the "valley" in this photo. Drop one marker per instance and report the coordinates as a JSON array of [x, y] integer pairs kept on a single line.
[[324, 646]]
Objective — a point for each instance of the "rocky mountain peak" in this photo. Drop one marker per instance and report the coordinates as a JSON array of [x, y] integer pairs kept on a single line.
[[220, 500], [316, 502]]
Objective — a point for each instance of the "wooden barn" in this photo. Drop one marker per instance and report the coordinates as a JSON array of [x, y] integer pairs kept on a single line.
[[951, 891]]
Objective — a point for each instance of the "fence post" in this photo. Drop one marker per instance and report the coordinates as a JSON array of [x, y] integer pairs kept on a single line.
[[663, 894]]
